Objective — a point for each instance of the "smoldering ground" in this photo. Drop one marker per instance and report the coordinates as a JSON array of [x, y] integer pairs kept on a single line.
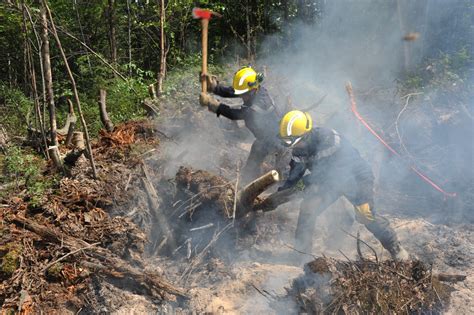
[[361, 42]]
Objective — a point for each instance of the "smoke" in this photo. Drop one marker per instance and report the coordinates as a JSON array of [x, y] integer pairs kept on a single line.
[[357, 41], [363, 42]]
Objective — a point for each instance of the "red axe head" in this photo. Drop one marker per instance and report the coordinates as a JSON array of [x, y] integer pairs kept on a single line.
[[199, 13]]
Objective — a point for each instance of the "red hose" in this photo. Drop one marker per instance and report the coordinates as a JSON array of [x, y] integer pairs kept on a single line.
[[372, 131]]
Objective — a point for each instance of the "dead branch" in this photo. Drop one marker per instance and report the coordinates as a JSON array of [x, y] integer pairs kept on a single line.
[[359, 252], [70, 119], [370, 247], [408, 96], [450, 278], [192, 265], [150, 107], [67, 255], [156, 212], [95, 54], [235, 193], [104, 116], [100, 256]]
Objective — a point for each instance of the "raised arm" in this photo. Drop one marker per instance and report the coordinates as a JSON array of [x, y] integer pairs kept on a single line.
[[224, 91]]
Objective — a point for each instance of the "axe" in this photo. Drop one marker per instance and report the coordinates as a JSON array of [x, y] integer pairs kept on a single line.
[[204, 15]]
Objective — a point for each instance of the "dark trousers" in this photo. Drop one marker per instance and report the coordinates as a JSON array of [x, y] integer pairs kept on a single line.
[[360, 193], [259, 151]]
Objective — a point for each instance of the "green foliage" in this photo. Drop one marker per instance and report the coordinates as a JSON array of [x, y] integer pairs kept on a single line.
[[15, 108], [25, 169], [448, 72], [11, 259], [55, 270], [185, 76]]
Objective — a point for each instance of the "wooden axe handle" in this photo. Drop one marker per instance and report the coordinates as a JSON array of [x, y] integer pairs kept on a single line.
[[205, 27]]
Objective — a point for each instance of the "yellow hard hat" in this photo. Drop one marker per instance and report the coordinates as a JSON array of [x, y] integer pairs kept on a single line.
[[246, 79], [294, 125]]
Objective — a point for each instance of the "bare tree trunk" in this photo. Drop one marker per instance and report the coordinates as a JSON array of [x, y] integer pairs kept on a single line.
[[112, 39], [161, 75], [74, 89], [48, 75], [31, 66], [70, 133], [82, 33], [129, 20], [248, 43], [9, 62], [301, 9], [54, 154], [41, 62], [286, 10], [78, 140], [25, 61], [104, 116]]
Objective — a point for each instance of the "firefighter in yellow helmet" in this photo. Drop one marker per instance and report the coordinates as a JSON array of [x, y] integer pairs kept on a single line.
[[335, 169], [258, 111]]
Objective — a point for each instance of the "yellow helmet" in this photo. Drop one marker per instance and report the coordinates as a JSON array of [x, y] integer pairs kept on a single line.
[[294, 125], [246, 79]]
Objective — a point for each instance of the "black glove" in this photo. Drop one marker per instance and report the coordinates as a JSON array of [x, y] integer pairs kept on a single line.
[[281, 188]]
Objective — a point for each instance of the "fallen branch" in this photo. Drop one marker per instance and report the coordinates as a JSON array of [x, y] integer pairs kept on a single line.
[[154, 205], [372, 131], [450, 278], [67, 255], [358, 239], [203, 253], [359, 252], [100, 255]]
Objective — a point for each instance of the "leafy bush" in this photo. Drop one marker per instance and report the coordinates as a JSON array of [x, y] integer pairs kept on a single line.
[[15, 108], [448, 72], [25, 169]]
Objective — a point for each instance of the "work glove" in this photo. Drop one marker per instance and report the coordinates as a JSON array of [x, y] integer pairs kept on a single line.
[[211, 80], [209, 101]]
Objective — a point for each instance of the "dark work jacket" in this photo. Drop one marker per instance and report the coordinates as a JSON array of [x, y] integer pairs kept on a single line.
[[329, 158], [259, 113]]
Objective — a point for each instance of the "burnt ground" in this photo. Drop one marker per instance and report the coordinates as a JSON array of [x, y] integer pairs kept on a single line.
[[245, 267]]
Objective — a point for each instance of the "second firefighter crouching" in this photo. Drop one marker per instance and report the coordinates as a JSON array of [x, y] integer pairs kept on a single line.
[[335, 169]]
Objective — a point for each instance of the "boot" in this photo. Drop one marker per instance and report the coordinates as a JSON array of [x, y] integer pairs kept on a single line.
[[382, 230], [398, 253]]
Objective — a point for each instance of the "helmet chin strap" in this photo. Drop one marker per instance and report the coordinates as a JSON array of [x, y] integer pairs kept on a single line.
[[307, 120], [292, 142]]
